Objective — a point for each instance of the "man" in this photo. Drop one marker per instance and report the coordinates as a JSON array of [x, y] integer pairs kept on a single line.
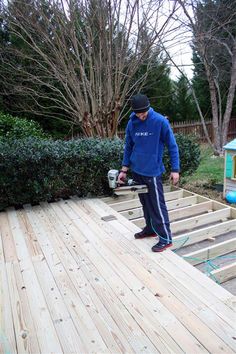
[[147, 133]]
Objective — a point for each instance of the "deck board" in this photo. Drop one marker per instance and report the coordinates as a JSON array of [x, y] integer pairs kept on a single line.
[[74, 283]]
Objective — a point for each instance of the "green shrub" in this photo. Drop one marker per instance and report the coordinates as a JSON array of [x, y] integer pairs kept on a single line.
[[33, 170], [18, 128], [189, 152]]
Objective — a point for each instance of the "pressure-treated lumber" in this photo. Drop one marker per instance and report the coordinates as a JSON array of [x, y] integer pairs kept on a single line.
[[26, 335], [200, 220], [210, 252], [190, 211], [130, 229], [102, 296], [78, 312], [47, 337], [7, 339], [191, 223], [76, 281], [160, 295], [135, 203], [171, 274], [224, 273], [115, 199], [137, 212], [203, 234], [8, 244]]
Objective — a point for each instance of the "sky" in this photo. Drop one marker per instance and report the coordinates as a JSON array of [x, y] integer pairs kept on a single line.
[[182, 55], [177, 42]]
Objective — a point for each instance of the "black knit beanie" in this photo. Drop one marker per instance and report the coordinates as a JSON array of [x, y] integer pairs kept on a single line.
[[140, 103]]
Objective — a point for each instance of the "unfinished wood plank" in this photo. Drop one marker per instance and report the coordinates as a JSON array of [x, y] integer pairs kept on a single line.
[[185, 224], [78, 312], [203, 234], [231, 302], [212, 290], [224, 273], [209, 292], [8, 244], [29, 236], [98, 257], [118, 199], [182, 202], [173, 200], [7, 333], [47, 336], [105, 298], [174, 195], [219, 205], [216, 291], [161, 293], [124, 274], [181, 213], [127, 204], [119, 252], [222, 293], [103, 321], [67, 332], [171, 281], [132, 213], [154, 296], [173, 204], [200, 220], [210, 252], [140, 222], [190, 211], [26, 336]]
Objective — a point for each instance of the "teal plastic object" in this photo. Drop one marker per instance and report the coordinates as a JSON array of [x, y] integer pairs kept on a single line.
[[229, 166], [231, 197]]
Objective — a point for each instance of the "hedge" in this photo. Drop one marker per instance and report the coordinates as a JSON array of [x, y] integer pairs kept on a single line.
[[34, 170], [18, 128]]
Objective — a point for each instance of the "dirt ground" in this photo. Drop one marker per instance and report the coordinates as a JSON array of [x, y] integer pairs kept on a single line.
[[205, 191]]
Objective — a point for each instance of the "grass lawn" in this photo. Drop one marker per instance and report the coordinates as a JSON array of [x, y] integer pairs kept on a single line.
[[209, 172]]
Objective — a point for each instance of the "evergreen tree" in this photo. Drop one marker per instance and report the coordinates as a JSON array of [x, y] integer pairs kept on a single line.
[[184, 105], [201, 86], [158, 85], [214, 42]]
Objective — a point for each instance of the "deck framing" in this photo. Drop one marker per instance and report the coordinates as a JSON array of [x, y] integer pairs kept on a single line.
[[193, 219]]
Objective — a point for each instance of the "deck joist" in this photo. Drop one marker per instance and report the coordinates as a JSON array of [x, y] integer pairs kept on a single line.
[[74, 280]]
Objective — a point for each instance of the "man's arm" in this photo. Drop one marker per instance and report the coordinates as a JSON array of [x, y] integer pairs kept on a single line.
[[126, 158], [169, 139]]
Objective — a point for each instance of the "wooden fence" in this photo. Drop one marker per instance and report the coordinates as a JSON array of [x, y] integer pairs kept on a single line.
[[196, 129]]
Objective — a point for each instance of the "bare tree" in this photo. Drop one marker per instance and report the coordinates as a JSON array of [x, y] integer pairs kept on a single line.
[[77, 59], [214, 38]]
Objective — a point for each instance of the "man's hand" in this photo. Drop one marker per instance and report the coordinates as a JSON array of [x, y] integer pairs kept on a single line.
[[121, 177], [174, 177]]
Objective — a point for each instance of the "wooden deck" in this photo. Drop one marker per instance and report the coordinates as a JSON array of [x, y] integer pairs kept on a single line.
[[204, 231], [74, 280]]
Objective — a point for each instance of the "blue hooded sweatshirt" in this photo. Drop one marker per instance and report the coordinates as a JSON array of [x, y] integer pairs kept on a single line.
[[145, 142]]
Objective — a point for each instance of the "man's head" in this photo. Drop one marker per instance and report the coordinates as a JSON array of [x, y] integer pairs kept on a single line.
[[140, 105]]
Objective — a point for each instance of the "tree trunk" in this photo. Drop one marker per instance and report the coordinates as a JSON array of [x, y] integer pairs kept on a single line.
[[214, 108], [230, 99]]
